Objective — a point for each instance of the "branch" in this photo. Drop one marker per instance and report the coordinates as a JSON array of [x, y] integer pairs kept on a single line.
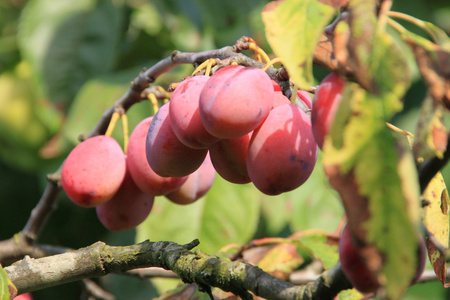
[[22, 243], [237, 277]]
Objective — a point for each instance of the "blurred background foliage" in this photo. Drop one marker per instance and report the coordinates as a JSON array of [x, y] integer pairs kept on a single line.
[[62, 63]]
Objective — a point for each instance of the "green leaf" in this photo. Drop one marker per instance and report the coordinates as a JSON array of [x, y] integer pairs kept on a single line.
[[390, 70], [386, 176], [98, 95], [350, 294], [227, 214], [315, 204], [7, 289], [26, 122], [67, 42], [322, 245], [293, 28], [375, 59], [184, 291], [276, 212]]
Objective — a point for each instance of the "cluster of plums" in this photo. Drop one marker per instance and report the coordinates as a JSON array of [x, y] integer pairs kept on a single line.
[[236, 122], [251, 132]]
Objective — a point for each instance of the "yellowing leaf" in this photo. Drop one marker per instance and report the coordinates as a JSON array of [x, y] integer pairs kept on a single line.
[[377, 179], [293, 28], [436, 219], [7, 288], [281, 260], [431, 136], [351, 294]]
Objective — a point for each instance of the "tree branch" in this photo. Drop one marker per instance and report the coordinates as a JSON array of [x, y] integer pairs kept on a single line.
[[100, 259], [22, 243]]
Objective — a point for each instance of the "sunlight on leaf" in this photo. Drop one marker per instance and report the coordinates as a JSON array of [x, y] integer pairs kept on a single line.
[[322, 245], [293, 28], [436, 219]]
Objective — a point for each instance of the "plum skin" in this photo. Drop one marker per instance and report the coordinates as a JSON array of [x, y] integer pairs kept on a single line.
[[185, 116], [141, 172], [128, 208], [166, 155], [235, 100], [282, 152], [93, 171], [196, 186], [325, 105], [229, 158]]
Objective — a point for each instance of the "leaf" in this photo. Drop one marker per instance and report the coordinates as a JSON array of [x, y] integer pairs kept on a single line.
[[315, 204], [360, 42], [281, 260], [431, 135], [322, 245], [184, 291], [26, 123], [389, 178], [227, 214], [96, 96], [436, 219], [7, 288], [293, 28], [350, 294], [276, 212], [377, 179], [68, 42], [372, 56]]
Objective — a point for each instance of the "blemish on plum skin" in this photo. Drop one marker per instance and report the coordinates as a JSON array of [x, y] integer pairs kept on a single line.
[[259, 113]]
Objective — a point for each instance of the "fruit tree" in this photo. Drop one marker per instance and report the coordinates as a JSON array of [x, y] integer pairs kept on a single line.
[[290, 163]]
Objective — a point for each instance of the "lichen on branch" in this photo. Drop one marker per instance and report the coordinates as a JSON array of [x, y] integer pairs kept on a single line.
[[99, 259]]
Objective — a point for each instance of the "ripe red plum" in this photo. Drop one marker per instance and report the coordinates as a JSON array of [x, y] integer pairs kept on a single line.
[[282, 152], [128, 208], [326, 103], [235, 100], [93, 171], [166, 155], [196, 186], [185, 115], [143, 175], [229, 158]]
